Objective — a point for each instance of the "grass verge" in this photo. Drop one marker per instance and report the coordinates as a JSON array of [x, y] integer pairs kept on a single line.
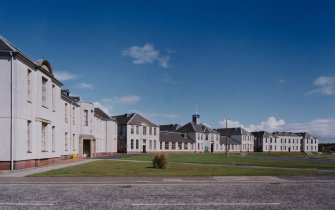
[[236, 160], [122, 168]]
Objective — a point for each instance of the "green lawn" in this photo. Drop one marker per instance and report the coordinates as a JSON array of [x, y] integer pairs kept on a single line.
[[236, 160], [294, 154], [123, 168]]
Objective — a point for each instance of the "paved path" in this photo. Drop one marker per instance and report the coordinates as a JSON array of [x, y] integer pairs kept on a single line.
[[30, 171]]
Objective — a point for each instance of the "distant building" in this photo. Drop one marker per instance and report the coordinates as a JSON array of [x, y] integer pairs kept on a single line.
[[136, 134], [242, 136], [175, 142], [309, 143], [265, 141]]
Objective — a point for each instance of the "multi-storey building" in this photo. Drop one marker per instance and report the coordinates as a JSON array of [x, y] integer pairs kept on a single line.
[[39, 123], [309, 143], [136, 134], [265, 141], [241, 135], [286, 142]]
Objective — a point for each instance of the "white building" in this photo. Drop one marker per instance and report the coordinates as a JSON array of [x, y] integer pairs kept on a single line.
[[136, 134], [39, 123], [242, 136], [309, 143], [265, 141]]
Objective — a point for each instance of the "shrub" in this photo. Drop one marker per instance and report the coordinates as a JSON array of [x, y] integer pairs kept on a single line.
[[160, 161]]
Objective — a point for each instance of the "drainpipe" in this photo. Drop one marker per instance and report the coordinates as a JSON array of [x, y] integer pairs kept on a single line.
[[11, 113]]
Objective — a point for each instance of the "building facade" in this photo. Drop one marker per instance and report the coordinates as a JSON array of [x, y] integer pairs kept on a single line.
[[40, 123], [240, 135]]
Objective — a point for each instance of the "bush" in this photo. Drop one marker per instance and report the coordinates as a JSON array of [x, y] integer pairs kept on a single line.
[[160, 161]]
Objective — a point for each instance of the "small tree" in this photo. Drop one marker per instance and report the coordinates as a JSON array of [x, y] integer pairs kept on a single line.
[[160, 161]]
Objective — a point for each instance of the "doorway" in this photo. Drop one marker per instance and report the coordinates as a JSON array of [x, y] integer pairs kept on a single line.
[[144, 149], [87, 148], [289, 149], [212, 148]]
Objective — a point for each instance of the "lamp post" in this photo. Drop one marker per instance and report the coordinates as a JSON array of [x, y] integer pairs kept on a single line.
[[227, 153]]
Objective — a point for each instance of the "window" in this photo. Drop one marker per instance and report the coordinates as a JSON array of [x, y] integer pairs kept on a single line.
[[198, 146], [191, 147], [44, 91], [173, 145], [29, 149], [180, 146], [154, 144], [137, 130], [132, 129], [66, 143], [53, 143], [155, 131], [132, 144], [137, 144], [65, 111], [150, 131], [29, 89], [53, 98], [73, 142], [144, 130], [73, 115], [150, 144], [85, 117], [186, 146], [160, 145], [166, 145], [44, 137]]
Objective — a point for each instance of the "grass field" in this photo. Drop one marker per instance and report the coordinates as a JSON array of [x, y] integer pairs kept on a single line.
[[236, 160], [123, 168], [294, 154]]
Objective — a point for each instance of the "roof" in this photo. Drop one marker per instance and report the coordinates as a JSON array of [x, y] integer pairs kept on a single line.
[[100, 113], [170, 127], [207, 129], [43, 65], [229, 140], [233, 131], [306, 135], [133, 119], [166, 136], [263, 134], [285, 134], [190, 127]]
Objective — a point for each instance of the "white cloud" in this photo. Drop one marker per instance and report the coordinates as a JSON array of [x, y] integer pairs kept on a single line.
[[325, 86], [271, 124], [124, 100], [281, 81], [146, 54], [318, 127], [102, 107], [65, 76], [84, 85]]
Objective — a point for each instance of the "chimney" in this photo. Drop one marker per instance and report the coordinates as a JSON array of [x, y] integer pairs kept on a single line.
[[196, 118]]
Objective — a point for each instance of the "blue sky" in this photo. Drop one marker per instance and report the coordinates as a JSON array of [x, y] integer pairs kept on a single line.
[[265, 64]]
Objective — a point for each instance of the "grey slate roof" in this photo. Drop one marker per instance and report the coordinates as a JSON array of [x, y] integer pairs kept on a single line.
[[232, 131], [169, 127], [306, 135], [166, 136], [207, 129], [190, 127], [102, 114], [285, 134], [263, 134], [229, 140], [133, 119]]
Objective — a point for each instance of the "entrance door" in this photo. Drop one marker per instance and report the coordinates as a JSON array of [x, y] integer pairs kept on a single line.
[[144, 149], [87, 148], [212, 148], [289, 149]]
